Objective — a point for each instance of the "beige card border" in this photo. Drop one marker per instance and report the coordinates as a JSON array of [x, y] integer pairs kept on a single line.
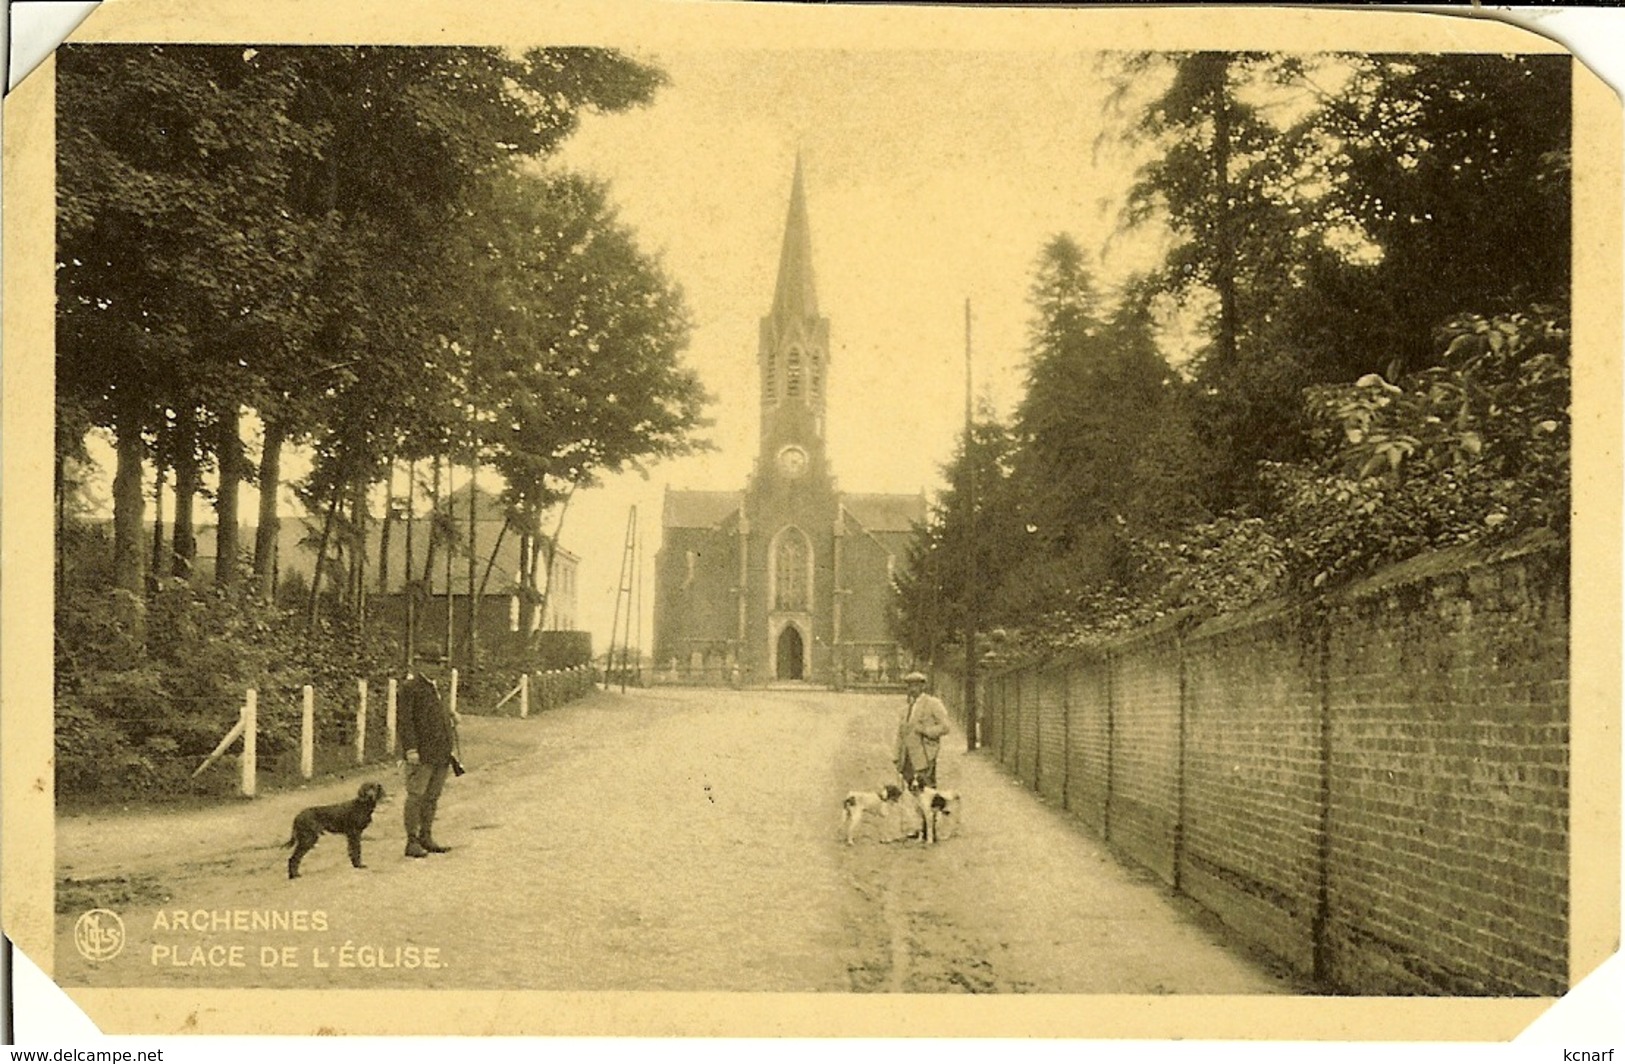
[[26, 377]]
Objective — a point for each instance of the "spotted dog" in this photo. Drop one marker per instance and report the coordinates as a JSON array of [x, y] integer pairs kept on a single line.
[[859, 803], [936, 808]]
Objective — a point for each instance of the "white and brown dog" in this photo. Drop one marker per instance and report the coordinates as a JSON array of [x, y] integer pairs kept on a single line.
[[876, 803], [937, 810]]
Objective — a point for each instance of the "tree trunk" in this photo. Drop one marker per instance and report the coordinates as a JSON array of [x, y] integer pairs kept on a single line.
[[129, 553], [451, 522], [538, 603], [311, 606], [527, 584], [157, 569], [434, 528], [434, 536], [358, 547], [408, 587], [1224, 271], [473, 561], [551, 545], [183, 541], [61, 521], [230, 457], [383, 530], [270, 525], [491, 560]]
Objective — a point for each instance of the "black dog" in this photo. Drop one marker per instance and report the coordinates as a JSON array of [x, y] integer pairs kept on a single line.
[[349, 819]]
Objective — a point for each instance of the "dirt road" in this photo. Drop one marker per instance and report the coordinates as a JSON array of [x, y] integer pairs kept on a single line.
[[658, 840]]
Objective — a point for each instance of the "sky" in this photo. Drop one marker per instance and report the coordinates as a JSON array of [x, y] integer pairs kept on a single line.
[[931, 178]]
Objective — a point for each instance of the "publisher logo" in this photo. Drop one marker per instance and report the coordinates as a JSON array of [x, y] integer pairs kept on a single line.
[[99, 934]]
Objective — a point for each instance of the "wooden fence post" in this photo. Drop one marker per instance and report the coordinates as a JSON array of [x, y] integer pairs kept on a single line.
[[389, 717], [361, 722], [307, 734], [250, 744], [524, 695]]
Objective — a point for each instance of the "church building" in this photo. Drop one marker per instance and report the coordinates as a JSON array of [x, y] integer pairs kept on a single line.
[[789, 579]]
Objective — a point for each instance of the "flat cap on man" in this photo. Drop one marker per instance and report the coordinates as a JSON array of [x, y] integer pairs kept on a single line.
[[914, 677]]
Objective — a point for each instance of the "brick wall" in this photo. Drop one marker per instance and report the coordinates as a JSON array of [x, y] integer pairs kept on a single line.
[[1052, 714], [1373, 788], [1088, 741], [1448, 855], [1145, 751], [1027, 728], [1253, 782]]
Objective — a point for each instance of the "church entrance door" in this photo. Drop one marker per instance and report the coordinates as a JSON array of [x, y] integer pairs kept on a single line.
[[790, 653]]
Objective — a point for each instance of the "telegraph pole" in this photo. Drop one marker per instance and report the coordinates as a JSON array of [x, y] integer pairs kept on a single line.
[[623, 594], [973, 591], [629, 589]]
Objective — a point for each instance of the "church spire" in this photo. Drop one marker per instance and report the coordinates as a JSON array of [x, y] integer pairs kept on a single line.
[[794, 353], [795, 297]]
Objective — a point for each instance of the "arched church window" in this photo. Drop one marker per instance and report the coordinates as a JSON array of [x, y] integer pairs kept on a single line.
[[790, 572], [770, 381], [815, 378], [792, 374]]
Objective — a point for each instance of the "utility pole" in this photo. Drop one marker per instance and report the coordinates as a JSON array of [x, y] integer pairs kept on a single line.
[[973, 591], [623, 594], [629, 587], [637, 607]]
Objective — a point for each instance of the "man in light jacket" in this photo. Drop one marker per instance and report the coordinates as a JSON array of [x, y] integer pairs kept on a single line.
[[919, 733]]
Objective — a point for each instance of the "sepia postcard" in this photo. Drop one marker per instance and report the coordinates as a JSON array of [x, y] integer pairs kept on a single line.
[[718, 519]]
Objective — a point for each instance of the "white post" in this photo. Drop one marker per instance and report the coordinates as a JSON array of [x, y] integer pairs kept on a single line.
[[307, 735], [524, 695], [361, 722], [453, 702], [250, 746], [389, 717]]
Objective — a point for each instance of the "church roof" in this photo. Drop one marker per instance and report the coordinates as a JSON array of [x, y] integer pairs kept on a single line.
[[885, 513], [698, 509], [795, 296]]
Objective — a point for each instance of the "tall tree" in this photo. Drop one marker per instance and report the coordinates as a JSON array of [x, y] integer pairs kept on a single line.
[[1451, 173], [974, 526], [576, 336], [418, 135], [169, 162]]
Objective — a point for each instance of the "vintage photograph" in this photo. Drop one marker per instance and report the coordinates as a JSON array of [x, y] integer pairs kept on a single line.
[[764, 511]]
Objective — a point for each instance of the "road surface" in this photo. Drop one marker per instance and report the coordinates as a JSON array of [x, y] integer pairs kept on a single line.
[[667, 839]]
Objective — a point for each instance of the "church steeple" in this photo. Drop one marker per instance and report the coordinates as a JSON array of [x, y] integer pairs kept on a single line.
[[794, 355], [795, 295]]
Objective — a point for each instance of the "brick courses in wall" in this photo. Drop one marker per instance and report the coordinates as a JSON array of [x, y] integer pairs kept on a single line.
[[1088, 738], [1374, 788], [1145, 752], [992, 712], [1253, 778], [1051, 738], [1448, 850], [1027, 747]]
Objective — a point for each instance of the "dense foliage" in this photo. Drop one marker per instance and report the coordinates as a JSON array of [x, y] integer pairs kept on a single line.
[[1383, 280], [360, 251]]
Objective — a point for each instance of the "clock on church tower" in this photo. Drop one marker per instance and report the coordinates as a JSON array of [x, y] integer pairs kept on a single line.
[[792, 461]]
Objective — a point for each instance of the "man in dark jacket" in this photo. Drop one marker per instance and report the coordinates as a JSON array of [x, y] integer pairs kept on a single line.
[[428, 733]]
